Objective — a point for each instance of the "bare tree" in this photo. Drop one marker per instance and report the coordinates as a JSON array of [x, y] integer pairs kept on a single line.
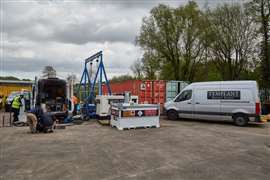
[[137, 69], [48, 72]]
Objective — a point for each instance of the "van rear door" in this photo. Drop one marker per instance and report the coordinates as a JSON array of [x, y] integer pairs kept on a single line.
[[206, 107]]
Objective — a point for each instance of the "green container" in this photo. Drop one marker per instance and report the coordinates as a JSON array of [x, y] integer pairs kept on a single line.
[[173, 88]]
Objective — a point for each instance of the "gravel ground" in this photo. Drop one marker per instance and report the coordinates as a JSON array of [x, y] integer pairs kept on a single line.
[[184, 149]]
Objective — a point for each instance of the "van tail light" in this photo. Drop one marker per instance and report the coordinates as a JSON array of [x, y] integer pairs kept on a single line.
[[258, 108]]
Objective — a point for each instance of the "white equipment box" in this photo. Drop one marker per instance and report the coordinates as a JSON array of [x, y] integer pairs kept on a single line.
[[103, 103], [134, 116]]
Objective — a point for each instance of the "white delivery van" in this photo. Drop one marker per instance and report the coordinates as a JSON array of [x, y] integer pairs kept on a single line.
[[222, 100]]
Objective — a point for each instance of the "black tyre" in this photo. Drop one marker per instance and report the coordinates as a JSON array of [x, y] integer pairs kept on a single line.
[[172, 115], [240, 120]]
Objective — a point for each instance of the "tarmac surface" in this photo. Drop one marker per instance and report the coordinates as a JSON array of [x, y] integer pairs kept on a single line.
[[184, 149]]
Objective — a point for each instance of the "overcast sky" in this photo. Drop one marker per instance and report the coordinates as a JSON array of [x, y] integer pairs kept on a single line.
[[62, 34]]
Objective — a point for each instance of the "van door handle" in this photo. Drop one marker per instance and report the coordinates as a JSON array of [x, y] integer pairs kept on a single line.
[[189, 102], [197, 103]]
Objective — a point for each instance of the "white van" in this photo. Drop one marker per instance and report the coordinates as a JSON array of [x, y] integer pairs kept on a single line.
[[222, 100]]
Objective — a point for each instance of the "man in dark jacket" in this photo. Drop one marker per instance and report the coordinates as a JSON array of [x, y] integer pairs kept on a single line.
[[46, 122]]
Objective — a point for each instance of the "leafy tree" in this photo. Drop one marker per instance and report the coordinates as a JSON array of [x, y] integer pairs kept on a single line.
[[231, 34], [166, 72], [186, 43], [9, 78], [121, 78], [151, 65], [26, 79], [175, 35], [260, 11], [207, 72]]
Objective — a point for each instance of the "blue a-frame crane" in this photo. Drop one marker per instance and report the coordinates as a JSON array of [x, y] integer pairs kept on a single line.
[[86, 79]]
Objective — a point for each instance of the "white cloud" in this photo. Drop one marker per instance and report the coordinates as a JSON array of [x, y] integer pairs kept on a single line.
[[68, 58], [36, 34], [63, 33]]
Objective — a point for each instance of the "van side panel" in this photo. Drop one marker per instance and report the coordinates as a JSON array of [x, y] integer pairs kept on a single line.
[[241, 99], [245, 104], [203, 108]]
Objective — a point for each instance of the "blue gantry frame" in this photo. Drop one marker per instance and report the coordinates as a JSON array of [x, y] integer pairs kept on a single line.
[[85, 79]]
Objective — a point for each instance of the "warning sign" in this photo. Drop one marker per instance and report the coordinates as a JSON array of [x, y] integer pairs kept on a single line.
[[140, 113], [143, 87]]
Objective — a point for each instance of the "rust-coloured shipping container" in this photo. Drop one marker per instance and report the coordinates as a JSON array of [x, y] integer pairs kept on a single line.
[[159, 93], [120, 87], [148, 91]]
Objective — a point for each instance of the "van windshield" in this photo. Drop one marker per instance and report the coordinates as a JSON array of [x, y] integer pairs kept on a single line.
[[185, 95]]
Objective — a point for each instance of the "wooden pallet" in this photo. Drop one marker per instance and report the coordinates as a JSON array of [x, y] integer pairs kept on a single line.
[[129, 128]]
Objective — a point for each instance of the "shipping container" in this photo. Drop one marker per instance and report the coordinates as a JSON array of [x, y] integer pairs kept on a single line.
[[148, 91], [159, 93], [145, 95], [119, 88], [173, 88]]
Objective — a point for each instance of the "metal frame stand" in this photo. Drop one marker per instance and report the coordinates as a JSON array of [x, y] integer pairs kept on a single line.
[[92, 83], [3, 120], [88, 108]]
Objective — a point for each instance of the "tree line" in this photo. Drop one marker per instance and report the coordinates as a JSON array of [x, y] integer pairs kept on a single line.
[[13, 78], [227, 42]]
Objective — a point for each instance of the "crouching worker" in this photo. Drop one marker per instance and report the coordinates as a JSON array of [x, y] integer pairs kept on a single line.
[[46, 122], [33, 117]]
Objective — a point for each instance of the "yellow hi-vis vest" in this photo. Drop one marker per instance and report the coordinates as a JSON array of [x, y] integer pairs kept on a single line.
[[16, 103]]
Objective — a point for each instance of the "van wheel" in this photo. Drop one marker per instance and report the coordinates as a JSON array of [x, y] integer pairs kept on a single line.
[[240, 120], [172, 115]]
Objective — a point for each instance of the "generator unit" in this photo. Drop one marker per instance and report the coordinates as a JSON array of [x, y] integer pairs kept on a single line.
[[104, 102]]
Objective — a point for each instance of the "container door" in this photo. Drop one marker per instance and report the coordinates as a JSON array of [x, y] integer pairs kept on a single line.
[[146, 92], [172, 90], [184, 104], [159, 88]]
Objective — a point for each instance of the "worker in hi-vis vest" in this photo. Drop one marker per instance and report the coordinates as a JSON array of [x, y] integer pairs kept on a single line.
[[16, 105]]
